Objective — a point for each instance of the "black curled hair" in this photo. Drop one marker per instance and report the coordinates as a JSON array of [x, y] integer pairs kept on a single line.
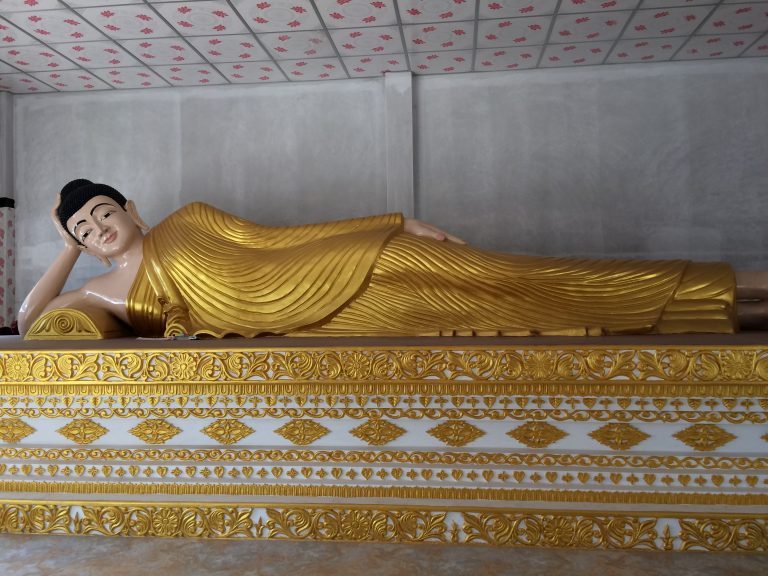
[[76, 193]]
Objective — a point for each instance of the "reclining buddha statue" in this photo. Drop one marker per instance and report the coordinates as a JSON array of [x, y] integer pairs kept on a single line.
[[202, 271]]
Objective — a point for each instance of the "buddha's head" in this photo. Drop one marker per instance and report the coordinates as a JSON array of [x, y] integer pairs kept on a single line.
[[99, 218]]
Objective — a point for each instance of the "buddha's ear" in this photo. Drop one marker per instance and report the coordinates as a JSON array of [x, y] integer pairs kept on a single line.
[[130, 207]]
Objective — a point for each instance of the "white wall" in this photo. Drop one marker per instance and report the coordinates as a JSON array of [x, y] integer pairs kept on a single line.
[[659, 160]]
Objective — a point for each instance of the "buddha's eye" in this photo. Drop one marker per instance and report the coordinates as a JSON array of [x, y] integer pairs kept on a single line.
[[106, 215], [85, 235]]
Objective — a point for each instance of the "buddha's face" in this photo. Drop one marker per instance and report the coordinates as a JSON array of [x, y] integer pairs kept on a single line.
[[103, 227]]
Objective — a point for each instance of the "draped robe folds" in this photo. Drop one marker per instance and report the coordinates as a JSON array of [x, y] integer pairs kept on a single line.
[[207, 272]]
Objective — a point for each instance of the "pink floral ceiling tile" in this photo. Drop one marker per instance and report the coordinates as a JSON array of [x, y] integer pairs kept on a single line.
[[22, 84], [55, 26], [644, 50], [26, 5], [590, 27], [705, 47], [202, 18], [441, 36], [277, 15], [251, 72], [362, 41], [511, 58], [72, 80], [677, 3], [131, 77], [35, 58], [99, 54], [578, 6], [375, 65], [123, 22], [190, 75], [356, 13], [103, 3], [234, 48], [516, 8], [315, 69], [666, 22], [759, 48], [12, 36], [578, 54], [512, 32], [445, 62], [162, 51], [292, 45], [737, 18], [419, 11]]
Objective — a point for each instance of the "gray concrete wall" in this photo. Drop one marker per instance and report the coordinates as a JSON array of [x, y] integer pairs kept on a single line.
[[6, 145], [656, 161], [661, 160]]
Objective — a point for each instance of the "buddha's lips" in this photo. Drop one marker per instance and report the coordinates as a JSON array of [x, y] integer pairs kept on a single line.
[[109, 239]]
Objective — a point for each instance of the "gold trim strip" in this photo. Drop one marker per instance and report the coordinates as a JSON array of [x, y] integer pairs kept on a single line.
[[399, 492], [383, 523], [513, 415], [360, 368], [387, 457]]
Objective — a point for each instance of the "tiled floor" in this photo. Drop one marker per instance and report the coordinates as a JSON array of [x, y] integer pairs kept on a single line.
[[91, 556]]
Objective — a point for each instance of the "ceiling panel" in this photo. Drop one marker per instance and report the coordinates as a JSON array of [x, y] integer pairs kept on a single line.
[[71, 45]]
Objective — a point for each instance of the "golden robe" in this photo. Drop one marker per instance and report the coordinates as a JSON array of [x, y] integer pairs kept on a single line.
[[207, 272]]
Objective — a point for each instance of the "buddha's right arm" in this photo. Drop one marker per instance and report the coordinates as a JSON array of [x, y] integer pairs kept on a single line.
[[46, 295]]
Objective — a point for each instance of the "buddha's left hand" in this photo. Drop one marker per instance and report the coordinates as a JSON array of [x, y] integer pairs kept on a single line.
[[419, 228]]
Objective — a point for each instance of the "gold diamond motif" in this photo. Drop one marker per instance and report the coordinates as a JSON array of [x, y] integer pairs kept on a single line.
[[377, 432], [456, 432], [704, 437], [83, 431], [302, 432], [155, 431], [13, 429], [227, 431], [619, 436], [537, 434]]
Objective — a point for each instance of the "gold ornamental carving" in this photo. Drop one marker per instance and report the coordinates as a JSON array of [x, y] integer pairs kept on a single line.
[[377, 432], [456, 433], [155, 431], [302, 432], [704, 437], [13, 430], [663, 372], [83, 431], [227, 431], [619, 436], [536, 434], [72, 324], [377, 523]]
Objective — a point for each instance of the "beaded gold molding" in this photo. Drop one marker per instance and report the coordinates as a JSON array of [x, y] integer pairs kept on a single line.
[[380, 523]]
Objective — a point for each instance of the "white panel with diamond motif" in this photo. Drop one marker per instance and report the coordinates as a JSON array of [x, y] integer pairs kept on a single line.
[[55, 26], [35, 58], [737, 18], [441, 62], [190, 74], [726, 46], [580, 54], [276, 16], [291, 45], [576, 6], [666, 22], [440, 36], [516, 8], [201, 18], [588, 27]]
